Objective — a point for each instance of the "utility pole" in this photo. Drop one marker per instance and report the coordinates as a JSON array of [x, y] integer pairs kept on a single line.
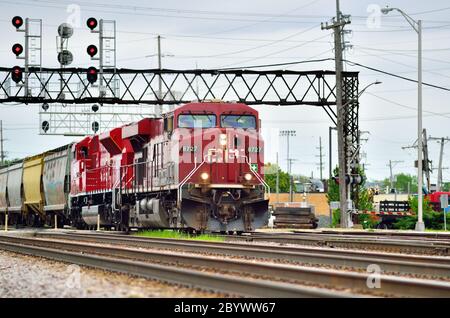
[[2, 153], [337, 27], [291, 181], [159, 110], [159, 67], [278, 181], [390, 165], [330, 151], [442, 141], [321, 165]]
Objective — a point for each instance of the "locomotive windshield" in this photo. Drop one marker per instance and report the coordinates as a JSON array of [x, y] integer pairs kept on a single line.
[[196, 121], [238, 121]]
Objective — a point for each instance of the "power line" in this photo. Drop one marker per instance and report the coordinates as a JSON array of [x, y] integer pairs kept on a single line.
[[405, 106], [397, 76], [406, 65], [282, 51]]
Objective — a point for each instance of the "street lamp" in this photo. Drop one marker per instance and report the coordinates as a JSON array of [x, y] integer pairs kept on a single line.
[[417, 26], [289, 133]]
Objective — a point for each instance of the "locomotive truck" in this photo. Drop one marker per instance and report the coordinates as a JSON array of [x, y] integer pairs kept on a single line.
[[199, 167]]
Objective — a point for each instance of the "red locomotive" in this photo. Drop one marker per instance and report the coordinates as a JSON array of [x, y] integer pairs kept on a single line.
[[199, 167]]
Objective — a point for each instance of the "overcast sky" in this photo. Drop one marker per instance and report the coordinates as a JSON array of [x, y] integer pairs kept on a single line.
[[214, 34]]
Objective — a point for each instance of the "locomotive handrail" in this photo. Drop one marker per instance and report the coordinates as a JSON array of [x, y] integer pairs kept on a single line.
[[260, 179], [190, 174]]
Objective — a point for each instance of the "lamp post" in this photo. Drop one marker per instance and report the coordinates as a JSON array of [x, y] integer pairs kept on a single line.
[[289, 133], [417, 26]]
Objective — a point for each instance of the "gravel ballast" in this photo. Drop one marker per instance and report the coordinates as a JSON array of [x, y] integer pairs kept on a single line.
[[24, 276]]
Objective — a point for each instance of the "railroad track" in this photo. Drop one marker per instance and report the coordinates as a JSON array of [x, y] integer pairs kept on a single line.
[[259, 279], [78, 254], [382, 233], [426, 247], [431, 266]]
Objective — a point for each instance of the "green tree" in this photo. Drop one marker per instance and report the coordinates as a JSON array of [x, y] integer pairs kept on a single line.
[[270, 176], [402, 182], [7, 162], [432, 219]]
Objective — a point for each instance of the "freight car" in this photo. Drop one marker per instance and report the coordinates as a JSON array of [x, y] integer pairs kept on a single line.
[[199, 167], [35, 190]]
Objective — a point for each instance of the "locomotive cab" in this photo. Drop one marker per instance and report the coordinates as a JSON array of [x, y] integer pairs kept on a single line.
[[220, 167]]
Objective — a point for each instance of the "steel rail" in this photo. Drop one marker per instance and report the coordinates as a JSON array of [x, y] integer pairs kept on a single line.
[[389, 263], [381, 233], [188, 277], [401, 239], [401, 246], [357, 282]]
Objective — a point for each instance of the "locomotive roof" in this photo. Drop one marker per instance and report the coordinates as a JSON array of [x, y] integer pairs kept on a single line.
[[215, 107]]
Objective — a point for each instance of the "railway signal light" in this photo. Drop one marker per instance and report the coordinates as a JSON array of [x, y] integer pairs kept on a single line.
[[65, 57], [45, 126], [350, 179], [17, 49], [92, 50], [347, 179], [92, 23], [17, 74], [17, 22], [92, 75], [95, 126]]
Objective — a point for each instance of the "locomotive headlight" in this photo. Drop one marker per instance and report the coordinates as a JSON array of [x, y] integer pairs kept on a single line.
[[248, 176], [223, 139], [204, 176]]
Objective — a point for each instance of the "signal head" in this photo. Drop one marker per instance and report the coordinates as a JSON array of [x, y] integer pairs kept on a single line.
[[92, 75], [92, 23], [45, 126], [16, 74], [17, 22], [95, 108], [95, 126], [17, 49], [92, 50]]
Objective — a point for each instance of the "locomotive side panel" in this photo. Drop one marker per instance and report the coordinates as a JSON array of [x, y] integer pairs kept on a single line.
[[15, 198], [3, 185]]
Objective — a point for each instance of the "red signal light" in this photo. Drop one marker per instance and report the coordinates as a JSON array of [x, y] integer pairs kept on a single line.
[[17, 49], [92, 50], [92, 75], [16, 74], [92, 23], [17, 22]]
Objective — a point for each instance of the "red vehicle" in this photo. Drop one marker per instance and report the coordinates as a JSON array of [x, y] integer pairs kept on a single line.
[[199, 167]]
